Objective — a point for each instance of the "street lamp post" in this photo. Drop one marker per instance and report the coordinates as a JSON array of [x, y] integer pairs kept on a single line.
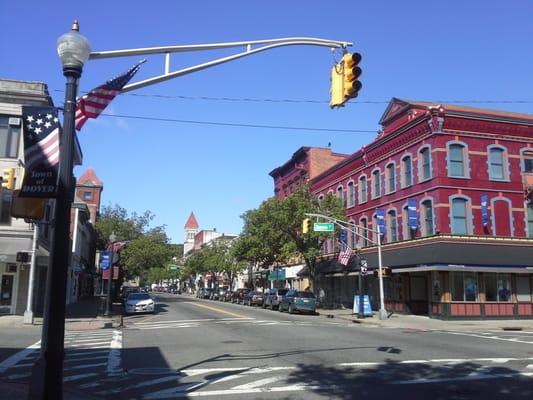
[[112, 239], [47, 383]]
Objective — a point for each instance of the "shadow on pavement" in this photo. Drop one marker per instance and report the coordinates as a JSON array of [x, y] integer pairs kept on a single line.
[[392, 379]]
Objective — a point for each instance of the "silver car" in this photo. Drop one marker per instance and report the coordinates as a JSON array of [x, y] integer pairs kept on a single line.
[[273, 298], [139, 303]]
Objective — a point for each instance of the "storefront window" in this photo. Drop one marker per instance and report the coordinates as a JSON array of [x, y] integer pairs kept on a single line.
[[436, 290], [464, 286], [523, 288], [497, 287]]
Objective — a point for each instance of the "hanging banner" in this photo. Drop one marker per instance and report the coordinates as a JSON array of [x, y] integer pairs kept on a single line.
[[412, 214], [380, 216], [485, 210], [41, 132]]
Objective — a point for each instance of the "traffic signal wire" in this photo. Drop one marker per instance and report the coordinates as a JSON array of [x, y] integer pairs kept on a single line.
[[216, 123]]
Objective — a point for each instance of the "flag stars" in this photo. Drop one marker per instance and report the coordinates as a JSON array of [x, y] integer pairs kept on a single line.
[[38, 130], [47, 124], [39, 121], [49, 116], [30, 118]]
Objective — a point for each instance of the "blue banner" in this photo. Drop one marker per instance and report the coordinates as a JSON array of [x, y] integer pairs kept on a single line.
[[412, 214], [367, 309], [105, 260], [343, 236], [380, 216], [485, 210]]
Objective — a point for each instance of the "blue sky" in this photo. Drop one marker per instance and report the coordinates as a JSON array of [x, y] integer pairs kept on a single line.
[[455, 51]]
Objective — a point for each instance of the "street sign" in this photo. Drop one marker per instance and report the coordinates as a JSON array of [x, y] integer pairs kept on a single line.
[[323, 227], [105, 259], [173, 267]]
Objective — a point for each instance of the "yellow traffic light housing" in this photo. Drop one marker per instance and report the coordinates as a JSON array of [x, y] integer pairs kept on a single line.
[[306, 225], [352, 72], [337, 86], [8, 179], [345, 84]]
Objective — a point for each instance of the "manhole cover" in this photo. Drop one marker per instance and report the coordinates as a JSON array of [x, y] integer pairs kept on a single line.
[[153, 371]]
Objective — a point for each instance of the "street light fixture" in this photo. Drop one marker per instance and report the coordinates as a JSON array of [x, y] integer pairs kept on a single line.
[[112, 239], [47, 380]]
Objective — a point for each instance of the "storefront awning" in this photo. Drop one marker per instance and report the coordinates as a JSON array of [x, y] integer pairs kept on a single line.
[[465, 268]]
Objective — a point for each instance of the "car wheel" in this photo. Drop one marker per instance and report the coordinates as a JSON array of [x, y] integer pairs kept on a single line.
[[291, 309]]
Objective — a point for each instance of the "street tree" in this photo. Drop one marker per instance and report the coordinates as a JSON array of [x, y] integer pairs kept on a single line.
[[273, 232]]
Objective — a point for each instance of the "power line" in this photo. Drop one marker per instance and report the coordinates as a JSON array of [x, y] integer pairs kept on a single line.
[[215, 123], [309, 101]]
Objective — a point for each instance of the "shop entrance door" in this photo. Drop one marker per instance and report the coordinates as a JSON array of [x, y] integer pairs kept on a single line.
[[419, 294], [6, 293]]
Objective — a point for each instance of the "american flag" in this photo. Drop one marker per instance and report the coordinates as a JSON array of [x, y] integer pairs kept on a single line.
[[346, 252], [41, 137], [94, 102]]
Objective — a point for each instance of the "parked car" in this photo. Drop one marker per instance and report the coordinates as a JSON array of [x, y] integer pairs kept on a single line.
[[228, 295], [238, 295], [273, 297], [218, 293], [253, 298], [297, 300], [126, 291], [138, 303]]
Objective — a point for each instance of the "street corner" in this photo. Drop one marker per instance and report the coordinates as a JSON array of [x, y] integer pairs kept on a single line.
[[89, 325]]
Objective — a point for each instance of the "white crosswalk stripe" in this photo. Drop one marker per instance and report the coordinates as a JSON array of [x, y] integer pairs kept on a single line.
[[88, 355]]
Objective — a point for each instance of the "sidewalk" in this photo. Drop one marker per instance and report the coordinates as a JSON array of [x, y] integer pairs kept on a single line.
[[424, 323]]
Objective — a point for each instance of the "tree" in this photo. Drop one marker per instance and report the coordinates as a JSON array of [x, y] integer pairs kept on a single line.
[[273, 232]]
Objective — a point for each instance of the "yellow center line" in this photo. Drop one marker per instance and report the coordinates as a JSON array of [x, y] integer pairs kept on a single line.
[[216, 309]]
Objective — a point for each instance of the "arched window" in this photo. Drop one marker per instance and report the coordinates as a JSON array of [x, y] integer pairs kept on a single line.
[[459, 216], [351, 194], [426, 215], [362, 190], [391, 177], [363, 222], [407, 172], [457, 166], [340, 195], [392, 226], [376, 184], [424, 164], [497, 163]]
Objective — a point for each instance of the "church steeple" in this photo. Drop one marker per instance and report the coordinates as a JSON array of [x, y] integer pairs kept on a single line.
[[191, 229]]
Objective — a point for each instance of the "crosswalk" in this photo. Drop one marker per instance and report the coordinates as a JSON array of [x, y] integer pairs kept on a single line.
[[88, 354], [194, 323], [525, 337], [226, 380]]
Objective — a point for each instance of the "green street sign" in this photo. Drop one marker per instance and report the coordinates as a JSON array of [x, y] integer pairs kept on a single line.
[[324, 227], [173, 267]]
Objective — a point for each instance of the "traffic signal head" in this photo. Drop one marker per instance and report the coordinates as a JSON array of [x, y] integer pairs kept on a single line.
[[8, 179], [337, 86], [306, 225], [352, 72]]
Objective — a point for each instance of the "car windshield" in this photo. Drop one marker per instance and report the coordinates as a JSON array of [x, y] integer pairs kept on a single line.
[[139, 296], [305, 295]]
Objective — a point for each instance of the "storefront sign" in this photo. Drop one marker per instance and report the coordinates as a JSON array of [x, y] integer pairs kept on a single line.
[[277, 275]]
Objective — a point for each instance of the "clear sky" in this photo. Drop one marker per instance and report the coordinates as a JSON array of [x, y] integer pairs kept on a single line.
[[435, 51]]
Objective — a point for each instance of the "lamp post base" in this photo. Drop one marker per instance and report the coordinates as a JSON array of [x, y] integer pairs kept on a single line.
[[383, 314]]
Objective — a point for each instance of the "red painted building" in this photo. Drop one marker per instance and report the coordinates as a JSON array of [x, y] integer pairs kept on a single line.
[[466, 173]]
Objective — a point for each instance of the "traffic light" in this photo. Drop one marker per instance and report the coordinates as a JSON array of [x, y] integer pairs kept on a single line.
[[386, 272], [8, 179], [337, 86], [352, 72], [306, 225], [345, 84]]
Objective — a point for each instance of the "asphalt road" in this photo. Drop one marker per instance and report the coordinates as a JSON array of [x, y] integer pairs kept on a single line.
[[201, 348]]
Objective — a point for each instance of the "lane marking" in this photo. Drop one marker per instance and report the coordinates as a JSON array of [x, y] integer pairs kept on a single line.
[[114, 360], [471, 377], [215, 309], [15, 358], [258, 383], [192, 320], [78, 377], [489, 337]]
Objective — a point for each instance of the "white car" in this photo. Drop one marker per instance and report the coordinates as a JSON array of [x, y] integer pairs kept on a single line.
[[138, 303]]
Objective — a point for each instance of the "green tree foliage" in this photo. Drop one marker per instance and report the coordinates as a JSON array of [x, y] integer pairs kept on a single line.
[[147, 248], [273, 232]]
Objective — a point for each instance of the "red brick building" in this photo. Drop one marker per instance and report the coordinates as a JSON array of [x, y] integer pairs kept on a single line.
[[467, 250]]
